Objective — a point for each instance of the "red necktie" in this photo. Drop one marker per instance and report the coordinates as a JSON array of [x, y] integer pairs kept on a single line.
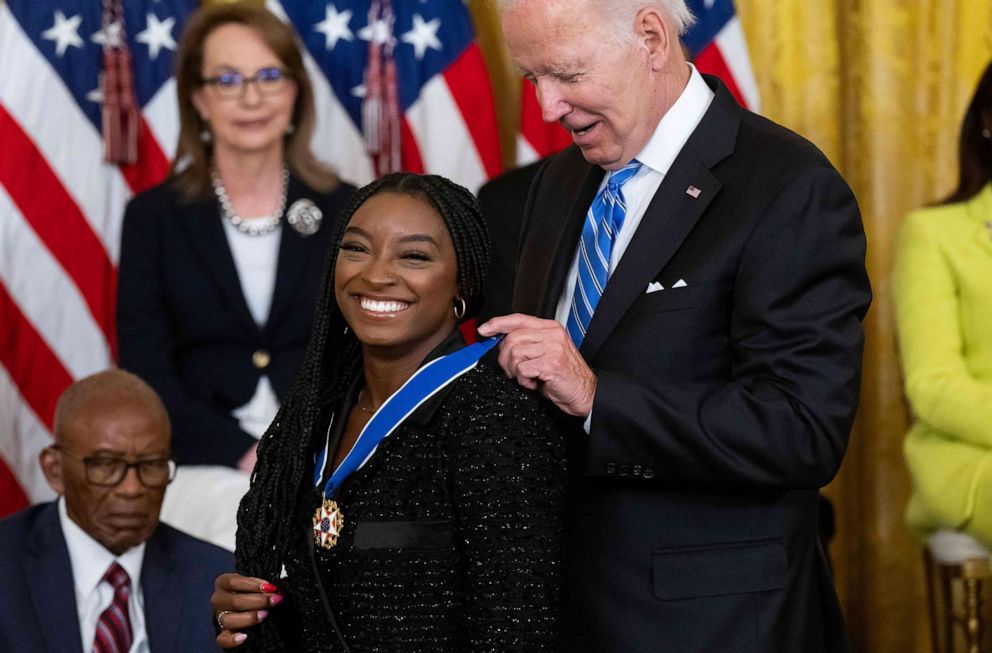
[[113, 630]]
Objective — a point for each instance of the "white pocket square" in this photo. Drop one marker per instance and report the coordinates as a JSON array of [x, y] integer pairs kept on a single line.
[[654, 286], [680, 284]]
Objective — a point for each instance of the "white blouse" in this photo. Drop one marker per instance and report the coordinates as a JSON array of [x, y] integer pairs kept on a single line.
[[256, 259]]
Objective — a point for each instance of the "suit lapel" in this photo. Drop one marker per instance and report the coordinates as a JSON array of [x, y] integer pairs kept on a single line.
[[670, 216], [667, 222], [52, 589], [550, 247], [206, 234], [163, 597], [564, 251], [292, 258]]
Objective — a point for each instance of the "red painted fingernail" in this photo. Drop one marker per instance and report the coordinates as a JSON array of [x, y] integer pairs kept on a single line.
[[275, 599], [240, 638], [268, 587], [262, 614]]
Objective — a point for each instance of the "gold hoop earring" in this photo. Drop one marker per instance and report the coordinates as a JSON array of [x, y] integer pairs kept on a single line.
[[460, 303]]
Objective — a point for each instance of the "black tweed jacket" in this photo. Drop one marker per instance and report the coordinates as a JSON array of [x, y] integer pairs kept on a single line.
[[451, 534]]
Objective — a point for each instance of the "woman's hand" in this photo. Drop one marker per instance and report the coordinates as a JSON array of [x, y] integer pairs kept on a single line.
[[240, 602]]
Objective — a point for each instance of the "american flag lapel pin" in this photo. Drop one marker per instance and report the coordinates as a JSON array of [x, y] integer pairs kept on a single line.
[[693, 192]]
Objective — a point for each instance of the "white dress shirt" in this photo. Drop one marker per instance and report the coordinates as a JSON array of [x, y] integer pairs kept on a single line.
[[256, 259], [656, 159], [90, 561]]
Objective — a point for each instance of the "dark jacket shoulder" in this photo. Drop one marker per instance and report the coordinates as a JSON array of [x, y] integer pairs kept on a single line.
[[485, 402], [15, 528], [494, 389], [189, 548], [777, 148]]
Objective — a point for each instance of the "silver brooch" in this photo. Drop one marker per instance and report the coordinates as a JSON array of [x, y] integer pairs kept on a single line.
[[305, 217]]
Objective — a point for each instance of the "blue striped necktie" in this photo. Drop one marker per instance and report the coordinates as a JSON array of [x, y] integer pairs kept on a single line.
[[603, 223]]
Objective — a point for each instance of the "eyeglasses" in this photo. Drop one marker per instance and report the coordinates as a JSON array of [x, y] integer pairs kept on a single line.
[[233, 85], [108, 471]]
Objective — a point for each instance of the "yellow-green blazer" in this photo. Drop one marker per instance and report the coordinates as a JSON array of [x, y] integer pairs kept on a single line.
[[943, 300]]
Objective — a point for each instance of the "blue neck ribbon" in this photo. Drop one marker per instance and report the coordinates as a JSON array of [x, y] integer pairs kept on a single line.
[[421, 386]]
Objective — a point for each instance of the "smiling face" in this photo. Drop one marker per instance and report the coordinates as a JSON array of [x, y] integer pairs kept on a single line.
[[396, 275], [253, 122], [605, 91], [122, 426]]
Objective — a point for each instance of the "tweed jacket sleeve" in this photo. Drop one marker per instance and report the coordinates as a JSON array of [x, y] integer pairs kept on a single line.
[[509, 492]]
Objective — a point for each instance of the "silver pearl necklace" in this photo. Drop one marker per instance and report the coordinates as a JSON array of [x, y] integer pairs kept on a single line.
[[254, 226]]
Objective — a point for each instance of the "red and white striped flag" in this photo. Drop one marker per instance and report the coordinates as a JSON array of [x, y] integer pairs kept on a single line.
[[61, 205], [717, 47]]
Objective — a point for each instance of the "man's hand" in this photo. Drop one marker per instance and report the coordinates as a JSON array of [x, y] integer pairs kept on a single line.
[[541, 356]]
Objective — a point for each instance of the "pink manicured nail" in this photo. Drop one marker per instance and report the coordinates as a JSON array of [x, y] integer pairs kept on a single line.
[[268, 587], [275, 599], [262, 614], [240, 638]]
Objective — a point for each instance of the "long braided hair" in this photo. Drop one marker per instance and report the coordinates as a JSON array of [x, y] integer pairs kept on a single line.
[[272, 514]]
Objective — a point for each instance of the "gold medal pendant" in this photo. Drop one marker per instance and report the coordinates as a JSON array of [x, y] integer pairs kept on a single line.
[[327, 524]]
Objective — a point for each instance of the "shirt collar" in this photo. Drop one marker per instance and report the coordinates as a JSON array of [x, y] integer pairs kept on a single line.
[[677, 124], [90, 559]]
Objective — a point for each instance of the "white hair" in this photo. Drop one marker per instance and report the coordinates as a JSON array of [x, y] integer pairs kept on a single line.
[[621, 13]]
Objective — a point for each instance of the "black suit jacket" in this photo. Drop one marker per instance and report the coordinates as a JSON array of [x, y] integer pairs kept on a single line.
[[38, 611], [503, 200], [183, 324], [721, 406]]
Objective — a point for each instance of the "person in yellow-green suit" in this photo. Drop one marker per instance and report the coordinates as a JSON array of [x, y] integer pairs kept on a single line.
[[943, 300]]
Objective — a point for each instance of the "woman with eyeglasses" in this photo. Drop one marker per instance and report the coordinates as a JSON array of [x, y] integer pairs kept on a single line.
[[220, 264]]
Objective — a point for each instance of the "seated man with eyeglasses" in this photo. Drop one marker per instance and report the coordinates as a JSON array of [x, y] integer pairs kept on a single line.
[[95, 570]]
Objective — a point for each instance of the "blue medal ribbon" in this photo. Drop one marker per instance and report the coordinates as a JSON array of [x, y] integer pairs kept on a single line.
[[421, 386]]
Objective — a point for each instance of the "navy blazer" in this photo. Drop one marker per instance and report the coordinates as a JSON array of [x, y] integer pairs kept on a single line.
[[183, 323], [727, 347], [38, 611]]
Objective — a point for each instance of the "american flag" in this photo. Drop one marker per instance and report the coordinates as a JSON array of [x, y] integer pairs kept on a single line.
[[61, 205], [716, 46]]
